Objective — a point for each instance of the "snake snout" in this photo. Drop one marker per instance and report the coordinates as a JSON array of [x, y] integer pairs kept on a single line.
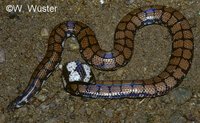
[[15, 104]]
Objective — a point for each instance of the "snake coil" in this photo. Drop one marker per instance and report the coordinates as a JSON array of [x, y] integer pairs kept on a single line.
[[79, 78]]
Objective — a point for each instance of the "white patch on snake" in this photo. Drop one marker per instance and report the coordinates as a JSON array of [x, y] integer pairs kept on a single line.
[[87, 71], [74, 76], [71, 66], [68, 35], [109, 63], [150, 17]]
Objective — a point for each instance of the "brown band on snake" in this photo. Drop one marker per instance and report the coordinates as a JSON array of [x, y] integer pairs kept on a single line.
[[175, 71]]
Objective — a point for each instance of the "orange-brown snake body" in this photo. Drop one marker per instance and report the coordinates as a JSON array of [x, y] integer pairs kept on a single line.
[[177, 68]]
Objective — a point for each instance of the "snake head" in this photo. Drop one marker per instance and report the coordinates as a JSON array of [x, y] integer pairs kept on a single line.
[[76, 71], [15, 104]]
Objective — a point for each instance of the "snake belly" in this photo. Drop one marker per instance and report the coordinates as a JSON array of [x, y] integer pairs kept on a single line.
[[176, 69]]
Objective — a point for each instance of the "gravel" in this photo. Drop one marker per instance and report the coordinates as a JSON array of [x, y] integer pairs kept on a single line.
[[23, 41], [2, 56], [181, 95]]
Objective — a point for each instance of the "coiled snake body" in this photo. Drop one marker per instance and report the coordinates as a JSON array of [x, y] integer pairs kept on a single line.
[[79, 78]]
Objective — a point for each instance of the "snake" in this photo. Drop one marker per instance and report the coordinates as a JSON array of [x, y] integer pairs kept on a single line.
[[78, 78]]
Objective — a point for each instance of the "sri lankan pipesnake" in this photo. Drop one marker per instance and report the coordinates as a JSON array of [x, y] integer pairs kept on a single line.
[[79, 79]]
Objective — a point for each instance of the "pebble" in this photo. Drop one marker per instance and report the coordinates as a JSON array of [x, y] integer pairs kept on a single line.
[[53, 105], [121, 72], [71, 109], [88, 111], [53, 120], [60, 66], [40, 56], [2, 118], [109, 112], [22, 110], [177, 118], [44, 107], [119, 75], [149, 0], [129, 1], [101, 76], [62, 94], [137, 118], [2, 56], [191, 118], [73, 45], [181, 95], [72, 115], [13, 15], [42, 98], [44, 32]]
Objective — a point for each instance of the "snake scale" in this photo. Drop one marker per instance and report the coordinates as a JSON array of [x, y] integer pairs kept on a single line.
[[78, 78]]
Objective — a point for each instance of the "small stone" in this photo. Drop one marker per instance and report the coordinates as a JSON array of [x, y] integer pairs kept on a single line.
[[101, 76], [2, 56], [2, 118], [53, 105], [44, 32], [166, 99], [181, 95], [191, 117], [129, 1], [60, 66], [149, 0], [30, 120], [137, 118], [177, 118], [13, 15], [88, 111], [72, 115], [109, 112], [22, 110], [62, 94], [40, 56], [73, 46], [42, 98], [71, 109], [120, 72], [53, 120], [44, 107]]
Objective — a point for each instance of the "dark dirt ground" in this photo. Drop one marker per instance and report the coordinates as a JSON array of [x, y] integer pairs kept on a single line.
[[23, 41]]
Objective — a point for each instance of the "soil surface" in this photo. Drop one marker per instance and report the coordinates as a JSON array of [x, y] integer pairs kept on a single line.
[[23, 42]]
